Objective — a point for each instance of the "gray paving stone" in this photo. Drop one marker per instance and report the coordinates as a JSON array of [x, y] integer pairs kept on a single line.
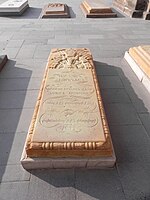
[[20, 84], [135, 178], [110, 82], [141, 107], [121, 114], [98, 184], [14, 190], [18, 99], [111, 53], [15, 43], [13, 173], [52, 184], [3, 45], [95, 51], [15, 120], [81, 40], [104, 69], [122, 47], [145, 118], [137, 36], [12, 71], [111, 42], [131, 143], [26, 51], [115, 96], [11, 147], [57, 41], [11, 52], [36, 41], [42, 52], [22, 69]]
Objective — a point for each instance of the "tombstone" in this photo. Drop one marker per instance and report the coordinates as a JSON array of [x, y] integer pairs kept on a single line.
[[139, 60], [55, 10], [13, 7], [133, 8], [96, 9], [69, 126], [3, 60]]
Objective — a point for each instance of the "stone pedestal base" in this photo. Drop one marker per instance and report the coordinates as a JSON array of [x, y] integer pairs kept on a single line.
[[66, 163], [3, 60], [55, 10], [96, 9], [139, 60]]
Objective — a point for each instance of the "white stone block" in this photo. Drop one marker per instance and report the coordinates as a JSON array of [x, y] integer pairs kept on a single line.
[[13, 6]]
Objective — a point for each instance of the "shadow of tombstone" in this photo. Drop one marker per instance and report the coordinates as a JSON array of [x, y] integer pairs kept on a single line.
[[14, 82]]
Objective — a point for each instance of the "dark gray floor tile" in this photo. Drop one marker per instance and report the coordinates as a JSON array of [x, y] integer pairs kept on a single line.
[[121, 114], [98, 184], [11, 147], [18, 99], [52, 184], [104, 69], [135, 178], [15, 120], [13, 173], [131, 143], [145, 118], [20, 84], [110, 82], [115, 96], [14, 190]]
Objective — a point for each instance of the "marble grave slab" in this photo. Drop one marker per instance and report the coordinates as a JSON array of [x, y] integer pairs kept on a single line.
[[96, 9], [69, 126], [55, 10], [13, 7], [139, 60]]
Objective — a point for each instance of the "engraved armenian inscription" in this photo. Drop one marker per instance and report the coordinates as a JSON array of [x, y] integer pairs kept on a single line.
[[69, 110]]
